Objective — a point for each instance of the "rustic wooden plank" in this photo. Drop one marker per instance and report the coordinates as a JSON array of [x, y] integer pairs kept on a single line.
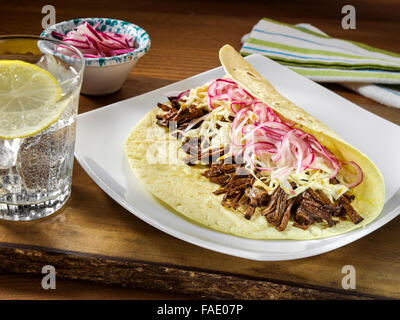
[[186, 36], [17, 286], [166, 278]]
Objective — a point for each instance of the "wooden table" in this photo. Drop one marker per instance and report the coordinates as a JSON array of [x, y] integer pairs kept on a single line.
[[93, 238]]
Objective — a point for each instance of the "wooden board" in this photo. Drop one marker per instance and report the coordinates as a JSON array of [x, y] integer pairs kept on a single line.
[[93, 238], [27, 286]]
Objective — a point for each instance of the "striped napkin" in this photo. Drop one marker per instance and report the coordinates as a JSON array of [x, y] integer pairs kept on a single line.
[[371, 72]]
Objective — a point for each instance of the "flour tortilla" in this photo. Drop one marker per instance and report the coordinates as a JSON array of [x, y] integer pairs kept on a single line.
[[156, 159]]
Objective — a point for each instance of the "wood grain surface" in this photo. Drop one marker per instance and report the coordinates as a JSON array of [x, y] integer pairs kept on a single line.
[[93, 238], [24, 287]]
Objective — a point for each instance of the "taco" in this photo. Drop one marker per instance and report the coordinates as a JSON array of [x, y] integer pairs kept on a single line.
[[237, 157]]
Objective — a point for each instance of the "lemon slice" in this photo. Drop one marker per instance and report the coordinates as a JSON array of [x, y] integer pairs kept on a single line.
[[29, 98]]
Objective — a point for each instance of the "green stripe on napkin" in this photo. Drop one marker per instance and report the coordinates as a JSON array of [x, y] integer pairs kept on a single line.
[[313, 53]]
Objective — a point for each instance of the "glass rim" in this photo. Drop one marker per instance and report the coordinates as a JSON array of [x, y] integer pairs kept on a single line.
[[39, 38]]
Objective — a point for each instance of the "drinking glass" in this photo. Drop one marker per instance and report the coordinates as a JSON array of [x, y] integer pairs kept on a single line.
[[36, 170]]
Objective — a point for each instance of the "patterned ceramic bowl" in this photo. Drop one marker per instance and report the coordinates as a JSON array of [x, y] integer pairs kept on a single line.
[[106, 75]]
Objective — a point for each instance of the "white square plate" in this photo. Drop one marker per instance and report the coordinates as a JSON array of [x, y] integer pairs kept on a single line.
[[101, 137]]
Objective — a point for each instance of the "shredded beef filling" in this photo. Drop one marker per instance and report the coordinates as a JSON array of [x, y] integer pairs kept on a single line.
[[308, 207], [181, 116], [237, 183]]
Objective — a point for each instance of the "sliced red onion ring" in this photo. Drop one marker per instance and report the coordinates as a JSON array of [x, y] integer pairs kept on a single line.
[[183, 94], [359, 174]]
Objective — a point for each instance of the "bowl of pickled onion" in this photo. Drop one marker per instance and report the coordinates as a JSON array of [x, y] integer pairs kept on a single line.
[[110, 47]]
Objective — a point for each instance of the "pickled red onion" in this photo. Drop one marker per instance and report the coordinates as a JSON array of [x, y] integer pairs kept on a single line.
[[359, 174], [96, 44], [228, 90], [183, 94]]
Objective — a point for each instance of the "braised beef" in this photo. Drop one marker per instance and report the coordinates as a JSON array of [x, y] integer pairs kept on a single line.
[[163, 119], [272, 204], [237, 189], [318, 199], [257, 197], [305, 209], [302, 219], [286, 215], [206, 157], [274, 217], [311, 206], [191, 146], [318, 214], [352, 214], [235, 181], [174, 102], [260, 196], [181, 116]]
